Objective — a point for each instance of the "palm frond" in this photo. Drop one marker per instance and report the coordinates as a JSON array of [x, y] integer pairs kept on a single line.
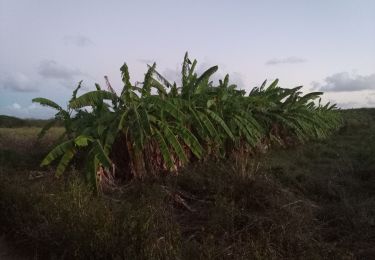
[[47, 103], [92, 98]]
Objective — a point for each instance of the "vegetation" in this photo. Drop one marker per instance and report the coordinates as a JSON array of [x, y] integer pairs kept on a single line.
[[19, 148], [229, 200], [312, 201], [14, 122], [157, 127]]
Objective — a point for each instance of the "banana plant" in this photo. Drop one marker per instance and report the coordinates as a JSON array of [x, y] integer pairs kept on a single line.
[[97, 157], [157, 126], [62, 115]]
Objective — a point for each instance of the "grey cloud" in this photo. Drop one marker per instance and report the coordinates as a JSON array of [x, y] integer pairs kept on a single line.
[[315, 85], [341, 82], [347, 105], [234, 77], [146, 61], [26, 111], [371, 100], [344, 104], [172, 75], [288, 60], [51, 69], [16, 106], [18, 82], [237, 78], [77, 40]]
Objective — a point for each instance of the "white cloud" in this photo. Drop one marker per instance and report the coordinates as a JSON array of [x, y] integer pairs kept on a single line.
[[287, 60], [348, 105], [17, 82], [27, 111], [371, 100], [237, 78], [234, 77], [146, 61], [77, 40], [343, 81], [52, 69], [173, 75], [16, 106]]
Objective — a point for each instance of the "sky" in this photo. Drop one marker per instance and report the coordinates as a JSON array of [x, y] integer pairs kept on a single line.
[[47, 46]]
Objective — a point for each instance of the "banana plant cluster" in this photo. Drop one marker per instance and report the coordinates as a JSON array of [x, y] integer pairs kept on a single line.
[[159, 126]]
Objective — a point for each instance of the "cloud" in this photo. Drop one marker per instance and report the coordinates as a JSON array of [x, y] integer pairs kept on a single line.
[[146, 61], [348, 105], [343, 81], [371, 100], [174, 75], [16, 106], [27, 111], [234, 77], [47, 70], [52, 70], [288, 60], [77, 40], [237, 78], [17, 82]]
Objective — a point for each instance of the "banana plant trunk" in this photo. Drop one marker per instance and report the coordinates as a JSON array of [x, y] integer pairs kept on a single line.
[[137, 162]]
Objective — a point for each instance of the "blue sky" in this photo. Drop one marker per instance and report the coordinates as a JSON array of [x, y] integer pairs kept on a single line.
[[47, 47]]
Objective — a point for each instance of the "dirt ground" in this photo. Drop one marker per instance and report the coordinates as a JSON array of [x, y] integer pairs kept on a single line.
[[7, 252]]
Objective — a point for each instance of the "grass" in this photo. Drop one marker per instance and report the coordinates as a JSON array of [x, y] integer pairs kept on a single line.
[[312, 201], [20, 148], [14, 122]]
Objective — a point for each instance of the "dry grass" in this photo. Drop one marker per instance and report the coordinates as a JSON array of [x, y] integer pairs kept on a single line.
[[310, 202], [24, 139]]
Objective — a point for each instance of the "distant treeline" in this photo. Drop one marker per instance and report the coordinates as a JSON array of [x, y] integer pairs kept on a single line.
[[10, 121]]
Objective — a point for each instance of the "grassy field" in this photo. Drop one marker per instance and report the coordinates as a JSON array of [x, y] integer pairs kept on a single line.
[[312, 201], [20, 149]]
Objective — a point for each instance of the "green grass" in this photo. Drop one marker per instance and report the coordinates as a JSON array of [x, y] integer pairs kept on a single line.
[[307, 202]]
